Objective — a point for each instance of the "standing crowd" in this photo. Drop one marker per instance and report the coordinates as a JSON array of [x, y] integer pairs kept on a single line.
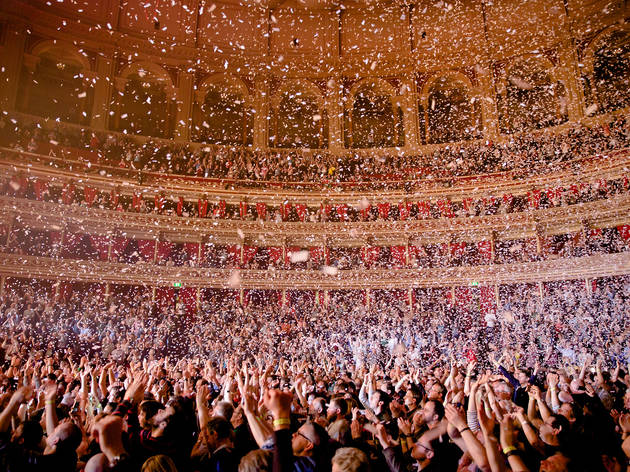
[[124, 385]]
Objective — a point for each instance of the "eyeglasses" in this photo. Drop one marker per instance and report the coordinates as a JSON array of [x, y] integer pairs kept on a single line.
[[424, 447], [300, 434]]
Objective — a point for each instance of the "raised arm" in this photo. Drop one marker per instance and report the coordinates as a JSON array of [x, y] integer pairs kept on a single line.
[[51, 408], [455, 417], [19, 396]]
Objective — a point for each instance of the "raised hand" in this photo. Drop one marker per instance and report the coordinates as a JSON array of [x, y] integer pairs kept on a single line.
[[383, 437], [404, 426], [486, 422], [455, 416], [22, 394], [135, 392], [50, 392], [108, 433], [278, 403]]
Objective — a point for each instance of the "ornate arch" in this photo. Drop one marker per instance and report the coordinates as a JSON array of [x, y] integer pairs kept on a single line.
[[534, 61], [377, 84], [449, 115], [588, 55], [149, 72], [224, 82], [454, 75], [299, 86], [227, 124], [63, 52], [530, 94], [301, 130]]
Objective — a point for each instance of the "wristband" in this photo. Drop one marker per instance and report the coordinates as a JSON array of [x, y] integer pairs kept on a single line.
[[464, 429], [508, 449], [49, 402], [282, 422], [513, 453]]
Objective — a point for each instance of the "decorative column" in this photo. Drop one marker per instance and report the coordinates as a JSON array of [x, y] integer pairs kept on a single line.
[[3, 280], [30, 64], [334, 105], [538, 241], [11, 58], [261, 112], [568, 72], [409, 107], [9, 231], [184, 101], [487, 95], [103, 87]]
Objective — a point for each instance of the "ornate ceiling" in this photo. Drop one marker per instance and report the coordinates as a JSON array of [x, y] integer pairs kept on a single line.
[[323, 35]]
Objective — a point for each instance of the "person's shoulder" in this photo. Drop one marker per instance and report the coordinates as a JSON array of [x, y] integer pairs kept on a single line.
[[304, 464]]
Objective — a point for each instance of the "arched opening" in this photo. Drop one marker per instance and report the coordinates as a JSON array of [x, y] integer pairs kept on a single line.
[[222, 118], [299, 120], [452, 115], [55, 88], [143, 106], [532, 98], [375, 121], [611, 70]]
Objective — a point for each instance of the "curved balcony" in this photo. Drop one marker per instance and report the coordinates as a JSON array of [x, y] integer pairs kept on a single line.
[[588, 267], [611, 165], [607, 213]]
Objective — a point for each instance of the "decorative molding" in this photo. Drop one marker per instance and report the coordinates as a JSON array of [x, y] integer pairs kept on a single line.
[[562, 220], [613, 165], [13, 265]]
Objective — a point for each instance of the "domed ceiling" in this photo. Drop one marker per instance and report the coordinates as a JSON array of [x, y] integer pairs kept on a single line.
[[319, 36]]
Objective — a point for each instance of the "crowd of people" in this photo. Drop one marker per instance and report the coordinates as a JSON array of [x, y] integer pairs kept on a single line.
[[539, 383], [515, 378], [526, 154], [70, 192]]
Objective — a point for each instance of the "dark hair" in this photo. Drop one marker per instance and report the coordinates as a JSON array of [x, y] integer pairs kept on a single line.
[[69, 437], [150, 408], [564, 436], [321, 448], [32, 434], [438, 409], [416, 392], [384, 398], [221, 426], [342, 404]]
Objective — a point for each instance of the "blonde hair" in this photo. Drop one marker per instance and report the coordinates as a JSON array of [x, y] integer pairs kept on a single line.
[[255, 461], [351, 459], [159, 463]]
